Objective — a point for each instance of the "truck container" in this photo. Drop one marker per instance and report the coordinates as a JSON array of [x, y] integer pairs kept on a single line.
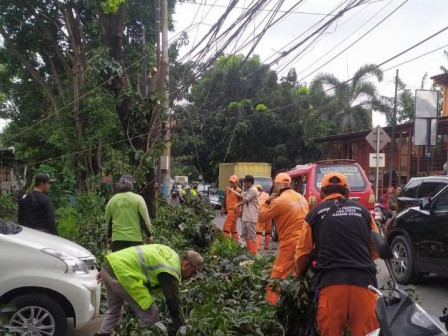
[[260, 170]]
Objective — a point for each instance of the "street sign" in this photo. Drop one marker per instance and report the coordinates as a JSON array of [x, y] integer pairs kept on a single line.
[[381, 160], [374, 141]]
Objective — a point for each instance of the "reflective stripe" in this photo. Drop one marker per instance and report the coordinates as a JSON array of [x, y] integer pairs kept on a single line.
[[146, 269]]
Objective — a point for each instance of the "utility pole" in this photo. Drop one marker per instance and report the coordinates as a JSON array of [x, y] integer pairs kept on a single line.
[[158, 33], [165, 170], [394, 122], [144, 82]]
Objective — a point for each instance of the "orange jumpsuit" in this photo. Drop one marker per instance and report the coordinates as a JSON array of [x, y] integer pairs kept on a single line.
[[263, 226], [288, 210], [339, 305], [232, 216]]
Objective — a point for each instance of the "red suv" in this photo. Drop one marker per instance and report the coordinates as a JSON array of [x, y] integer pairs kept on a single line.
[[306, 180]]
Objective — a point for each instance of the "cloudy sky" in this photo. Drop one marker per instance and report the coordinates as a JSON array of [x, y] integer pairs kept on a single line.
[[412, 22]]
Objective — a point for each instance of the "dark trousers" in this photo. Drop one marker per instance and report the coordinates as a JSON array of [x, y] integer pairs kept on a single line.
[[122, 244]]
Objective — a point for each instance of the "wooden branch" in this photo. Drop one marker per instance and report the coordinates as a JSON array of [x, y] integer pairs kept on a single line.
[[29, 67]]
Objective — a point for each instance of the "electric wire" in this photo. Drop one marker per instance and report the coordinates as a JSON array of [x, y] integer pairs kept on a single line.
[[354, 42]]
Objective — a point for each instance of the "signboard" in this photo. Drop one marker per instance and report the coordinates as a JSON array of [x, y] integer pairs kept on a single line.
[[422, 132], [426, 104], [372, 138], [381, 160], [181, 179]]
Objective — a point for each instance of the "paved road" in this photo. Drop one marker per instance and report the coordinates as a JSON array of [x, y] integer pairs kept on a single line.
[[432, 292]]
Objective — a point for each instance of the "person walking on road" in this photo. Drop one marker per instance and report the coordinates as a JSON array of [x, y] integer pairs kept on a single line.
[[131, 275], [263, 226], [385, 197], [392, 201], [250, 207], [35, 208], [336, 234], [230, 201], [124, 212], [288, 208]]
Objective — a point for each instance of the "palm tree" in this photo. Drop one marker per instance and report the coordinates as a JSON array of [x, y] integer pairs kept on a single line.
[[349, 103]]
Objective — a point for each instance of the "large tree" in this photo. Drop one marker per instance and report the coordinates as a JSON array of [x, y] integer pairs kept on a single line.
[[349, 104], [239, 111], [77, 86]]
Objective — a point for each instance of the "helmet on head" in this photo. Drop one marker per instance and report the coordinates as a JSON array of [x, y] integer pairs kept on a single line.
[[282, 178], [126, 182], [334, 179], [233, 178]]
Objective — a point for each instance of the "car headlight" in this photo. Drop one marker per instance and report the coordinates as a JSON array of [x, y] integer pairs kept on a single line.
[[74, 264]]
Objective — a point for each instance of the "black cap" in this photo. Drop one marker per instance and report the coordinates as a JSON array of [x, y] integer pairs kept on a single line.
[[44, 178]]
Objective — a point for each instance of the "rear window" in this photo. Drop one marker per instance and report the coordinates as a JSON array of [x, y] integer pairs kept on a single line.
[[265, 182], [353, 173]]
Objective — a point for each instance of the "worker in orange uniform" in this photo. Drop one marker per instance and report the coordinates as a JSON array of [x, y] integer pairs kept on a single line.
[[230, 206], [288, 208], [336, 234], [263, 226]]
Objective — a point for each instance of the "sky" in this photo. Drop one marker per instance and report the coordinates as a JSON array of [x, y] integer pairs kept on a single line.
[[412, 22]]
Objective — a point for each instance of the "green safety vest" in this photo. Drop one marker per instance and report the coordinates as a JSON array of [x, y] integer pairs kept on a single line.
[[136, 268]]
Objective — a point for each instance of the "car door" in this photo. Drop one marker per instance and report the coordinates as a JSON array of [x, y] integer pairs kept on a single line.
[[409, 195], [435, 247]]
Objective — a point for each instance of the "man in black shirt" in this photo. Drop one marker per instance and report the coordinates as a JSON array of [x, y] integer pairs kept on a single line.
[[36, 209], [336, 234]]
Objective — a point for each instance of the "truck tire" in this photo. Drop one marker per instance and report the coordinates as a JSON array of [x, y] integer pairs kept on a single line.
[[38, 313]]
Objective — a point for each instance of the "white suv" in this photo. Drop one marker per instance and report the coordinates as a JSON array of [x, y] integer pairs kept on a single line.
[[47, 279]]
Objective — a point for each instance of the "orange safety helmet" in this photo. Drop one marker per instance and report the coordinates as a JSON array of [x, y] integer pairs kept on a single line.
[[233, 178], [334, 179], [282, 178]]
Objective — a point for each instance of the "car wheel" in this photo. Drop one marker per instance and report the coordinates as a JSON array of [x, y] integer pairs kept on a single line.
[[38, 314], [403, 261], [274, 234]]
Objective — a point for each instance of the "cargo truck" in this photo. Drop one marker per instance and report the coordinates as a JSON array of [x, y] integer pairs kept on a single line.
[[261, 171]]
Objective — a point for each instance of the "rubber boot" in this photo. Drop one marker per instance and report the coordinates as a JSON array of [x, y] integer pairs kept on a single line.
[[248, 244], [226, 234], [253, 247], [235, 237], [267, 239], [258, 240]]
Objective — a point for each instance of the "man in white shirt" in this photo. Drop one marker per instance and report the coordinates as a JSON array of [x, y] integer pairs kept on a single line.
[[250, 213]]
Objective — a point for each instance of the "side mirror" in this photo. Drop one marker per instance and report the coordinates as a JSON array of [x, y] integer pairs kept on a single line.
[[380, 245], [424, 203]]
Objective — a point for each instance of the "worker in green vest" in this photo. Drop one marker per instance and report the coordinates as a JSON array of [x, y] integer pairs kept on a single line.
[[134, 274]]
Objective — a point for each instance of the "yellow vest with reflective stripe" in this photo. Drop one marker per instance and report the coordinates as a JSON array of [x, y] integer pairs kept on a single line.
[[136, 266]]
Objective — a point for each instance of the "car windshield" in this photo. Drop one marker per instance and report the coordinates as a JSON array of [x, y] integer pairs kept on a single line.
[[354, 175], [8, 228], [265, 182]]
